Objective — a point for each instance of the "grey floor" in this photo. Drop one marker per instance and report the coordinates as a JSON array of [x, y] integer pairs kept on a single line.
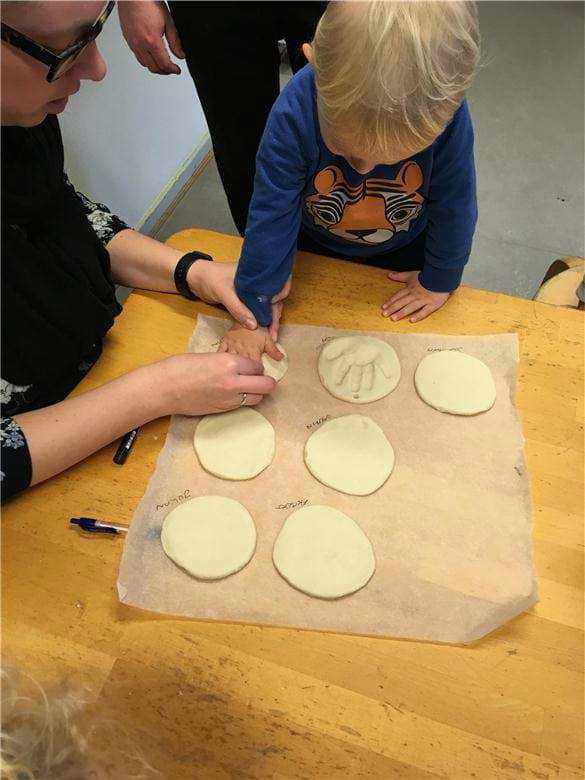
[[527, 105]]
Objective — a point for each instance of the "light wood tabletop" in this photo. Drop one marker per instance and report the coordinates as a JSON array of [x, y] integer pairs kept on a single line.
[[206, 700]]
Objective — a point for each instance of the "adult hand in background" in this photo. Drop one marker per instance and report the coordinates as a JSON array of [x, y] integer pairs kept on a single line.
[[144, 25]]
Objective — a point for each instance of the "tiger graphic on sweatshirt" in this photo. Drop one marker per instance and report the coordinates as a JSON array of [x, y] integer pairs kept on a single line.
[[371, 212]]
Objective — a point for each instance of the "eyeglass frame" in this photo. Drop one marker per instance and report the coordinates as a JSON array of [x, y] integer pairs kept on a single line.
[[54, 61]]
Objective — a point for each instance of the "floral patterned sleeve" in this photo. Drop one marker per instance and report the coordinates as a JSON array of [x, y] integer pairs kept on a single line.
[[16, 466], [104, 223]]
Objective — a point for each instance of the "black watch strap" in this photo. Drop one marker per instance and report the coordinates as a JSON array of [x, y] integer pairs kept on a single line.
[[181, 271]]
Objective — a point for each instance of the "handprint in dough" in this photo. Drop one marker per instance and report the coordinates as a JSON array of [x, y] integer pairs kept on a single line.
[[359, 368]]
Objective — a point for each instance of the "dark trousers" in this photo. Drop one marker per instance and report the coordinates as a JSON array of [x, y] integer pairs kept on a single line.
[[232, 54], [407, 258]]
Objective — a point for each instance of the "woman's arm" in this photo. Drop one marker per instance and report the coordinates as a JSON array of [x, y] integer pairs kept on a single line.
[[63, 434], [140, 261]]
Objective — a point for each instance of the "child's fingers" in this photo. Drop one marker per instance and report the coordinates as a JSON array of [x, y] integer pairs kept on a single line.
[[404, 293], [424, 312], [410, 308], [401, 294], [394, 306]]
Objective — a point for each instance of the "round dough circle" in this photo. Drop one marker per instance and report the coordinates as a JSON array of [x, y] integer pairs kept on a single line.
[[350, 454], [235, 445], [275, 368], [323, 553], [454, 382], [210, 537], [358, 369]]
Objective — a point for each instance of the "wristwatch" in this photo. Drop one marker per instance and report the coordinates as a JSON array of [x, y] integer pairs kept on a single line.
[[181, 271]]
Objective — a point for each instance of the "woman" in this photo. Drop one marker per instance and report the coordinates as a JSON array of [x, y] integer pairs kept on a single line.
[[62, 256]]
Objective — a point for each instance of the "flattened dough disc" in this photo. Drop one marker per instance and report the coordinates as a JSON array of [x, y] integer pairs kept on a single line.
[[210, 537], [456, 383], [323, 553], [235, 445], [350, 454], [358, 369], [275, 368]]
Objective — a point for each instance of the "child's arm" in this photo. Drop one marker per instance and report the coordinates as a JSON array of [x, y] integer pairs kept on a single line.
[[274, 216], [452, 214]]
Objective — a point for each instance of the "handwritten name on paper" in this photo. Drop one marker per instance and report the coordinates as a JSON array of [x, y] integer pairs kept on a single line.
[[317, 422], [324, 340], [293, 504], [176, 500], [444, 349]]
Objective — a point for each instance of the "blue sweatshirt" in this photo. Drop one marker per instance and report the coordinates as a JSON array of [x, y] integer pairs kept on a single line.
[[299, 181]]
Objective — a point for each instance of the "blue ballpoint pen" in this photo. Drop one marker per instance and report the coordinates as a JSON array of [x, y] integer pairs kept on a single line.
[[96, 526]]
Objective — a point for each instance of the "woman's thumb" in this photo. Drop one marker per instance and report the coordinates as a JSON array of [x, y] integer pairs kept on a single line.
[[240, 312]]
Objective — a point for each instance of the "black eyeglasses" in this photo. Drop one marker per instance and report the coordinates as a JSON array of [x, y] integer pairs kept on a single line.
[[58, 63]]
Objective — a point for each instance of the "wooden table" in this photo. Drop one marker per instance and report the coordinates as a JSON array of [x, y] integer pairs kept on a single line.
[[205, 700]]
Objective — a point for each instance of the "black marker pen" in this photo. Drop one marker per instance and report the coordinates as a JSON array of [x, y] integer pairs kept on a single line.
[[126, 444]]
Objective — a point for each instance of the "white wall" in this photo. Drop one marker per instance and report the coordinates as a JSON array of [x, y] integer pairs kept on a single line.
[[128, 136]]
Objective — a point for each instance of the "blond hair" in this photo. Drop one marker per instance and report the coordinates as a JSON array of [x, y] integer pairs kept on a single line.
[[45, 735], [391, 73]]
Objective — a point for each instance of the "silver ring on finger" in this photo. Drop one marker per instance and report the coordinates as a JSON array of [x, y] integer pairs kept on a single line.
[[244, 396]]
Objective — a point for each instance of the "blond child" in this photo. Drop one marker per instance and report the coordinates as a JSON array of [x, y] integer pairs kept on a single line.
[[368, 156]]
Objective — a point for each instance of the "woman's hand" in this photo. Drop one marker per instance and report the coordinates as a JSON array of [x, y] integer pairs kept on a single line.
[[214, 283], [195, 384], [144, 26], [414, 299], [63, 434], [140, 261]]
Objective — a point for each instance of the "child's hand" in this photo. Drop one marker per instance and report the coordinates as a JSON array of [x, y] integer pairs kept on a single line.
[[413, 299], [249, 343]]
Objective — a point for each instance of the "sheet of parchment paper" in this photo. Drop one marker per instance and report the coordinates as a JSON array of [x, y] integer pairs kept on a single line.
[[451, 528]]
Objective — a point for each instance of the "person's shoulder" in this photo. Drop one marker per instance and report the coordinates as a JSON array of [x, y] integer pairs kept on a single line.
[[459, 126], [462, 114], [298, 96], [302, 84], [294, 111]]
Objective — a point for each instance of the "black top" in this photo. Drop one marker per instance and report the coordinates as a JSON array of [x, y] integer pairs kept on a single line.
[[58, 298]]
